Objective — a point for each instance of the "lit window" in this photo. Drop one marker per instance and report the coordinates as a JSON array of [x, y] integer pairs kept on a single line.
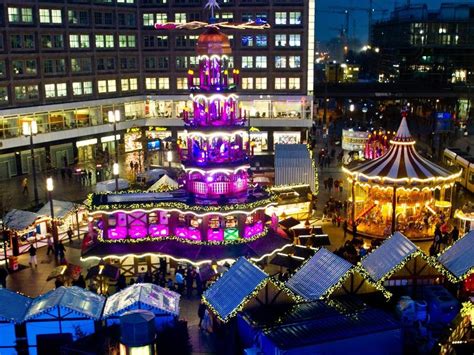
[[247, 62], [261, 61], [148, 19], [280, 40], [261, 40], [294, 61], [20, 15], [130, 84], [280, 61], [125, 1], [79, 41], [105, 86], [55, 90], [182, 83], [261, 83], [294, 83], [247, 41], [150, 83], [104, 41], [50, 16], [247, 83], [280, 18], [161, 18], [163, 83], [29, 92], [295, 18], [127, 41], [82, 88], [295, 40], [180, 17], [280, 83]]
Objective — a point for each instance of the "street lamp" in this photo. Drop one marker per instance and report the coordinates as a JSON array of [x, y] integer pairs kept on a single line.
[[114, 117], [169, 157], [50, 188], [115, 171], [30, 129]]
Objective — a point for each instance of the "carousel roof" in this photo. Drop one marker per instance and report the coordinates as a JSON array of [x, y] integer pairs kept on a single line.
[[401, 163], [459, 258]]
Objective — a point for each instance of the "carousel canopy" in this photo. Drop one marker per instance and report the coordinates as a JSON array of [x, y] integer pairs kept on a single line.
[[393, 251], [61, 208], [401, 164], [459, 258], [74, 299], [142, 296], [19, 219], [13, 306], [233, 287], [318, 275]]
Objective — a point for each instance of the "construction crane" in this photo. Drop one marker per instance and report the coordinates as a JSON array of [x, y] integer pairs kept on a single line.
[[340, 11]]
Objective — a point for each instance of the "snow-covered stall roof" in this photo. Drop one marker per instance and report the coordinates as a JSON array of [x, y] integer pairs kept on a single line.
[[142, 296], [109, 185], [13, 306], [293, 165], [61, 208], [459, 258], [318, 275], [74, 299], [19, 219], [165, 180]]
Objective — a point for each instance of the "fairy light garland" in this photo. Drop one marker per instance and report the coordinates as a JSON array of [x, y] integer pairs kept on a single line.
[[460, 278]]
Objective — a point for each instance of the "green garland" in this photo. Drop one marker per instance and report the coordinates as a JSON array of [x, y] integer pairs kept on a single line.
[[149, 238], [463, 276]]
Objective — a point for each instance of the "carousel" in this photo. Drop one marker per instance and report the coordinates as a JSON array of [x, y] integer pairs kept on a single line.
[[400, 191]]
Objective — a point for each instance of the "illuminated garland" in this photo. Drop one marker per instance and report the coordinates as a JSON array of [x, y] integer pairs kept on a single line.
[[399, 188], [464, 275], [149, 238], [467, 309]]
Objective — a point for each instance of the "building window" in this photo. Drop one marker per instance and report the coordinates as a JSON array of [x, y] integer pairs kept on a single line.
[[180, 17], [106, 86], [105, 64], [3, 95], [161, 18], [181, 62], [263, 16], [294, 83], [163, 62], [20, 15], [104, 41], [261, 83], [280, 40], [294, 61], [82, 88], [127, 20], [76, 17], [55, 90], [295, 18], [50, 16], [54, 66], [150, 83], [81, 65], [295, 40], [2, 69], [148, 19], [226, 16], [247, 41], [280, 83], [24, 67], [247, 62], [261, 61], [182, 83], [79, 41], [103, 18], [22, 41], [52, 41], [261, 40], [125, 1], [180, 41], [130, 84], [128, 63], [247, 83], [280, 61], [28, 92], [280, 18], [127, 41], [163, 83]]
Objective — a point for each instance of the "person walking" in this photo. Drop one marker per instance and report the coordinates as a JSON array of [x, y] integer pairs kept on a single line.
[[69, 234], [33, 259], [3, 277], [61, 251], [24, 185], [455, 234], [201, 311], [179, 278], [330, 183], [50, 245]]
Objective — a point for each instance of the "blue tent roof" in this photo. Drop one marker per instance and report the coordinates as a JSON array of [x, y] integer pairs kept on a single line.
[[331, 328], [19, 219], [459, 258], [61, 208], [140, 296], [230, 290], [74, 298], [391, 253], [13, 306], [318, 275]]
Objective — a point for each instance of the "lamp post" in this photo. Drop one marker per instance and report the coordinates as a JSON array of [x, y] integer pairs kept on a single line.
[[49, 188], [115, 171], [4, 238], [114, 117], [30, 129], [169, 157]]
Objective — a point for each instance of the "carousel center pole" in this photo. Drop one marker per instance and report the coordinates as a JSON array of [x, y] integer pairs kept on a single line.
[[394, 207], [354, 230]]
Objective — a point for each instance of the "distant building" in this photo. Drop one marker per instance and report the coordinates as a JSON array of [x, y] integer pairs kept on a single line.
[[342, 73]]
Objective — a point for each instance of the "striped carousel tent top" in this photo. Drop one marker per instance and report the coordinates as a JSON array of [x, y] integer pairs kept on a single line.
[[401, 164]]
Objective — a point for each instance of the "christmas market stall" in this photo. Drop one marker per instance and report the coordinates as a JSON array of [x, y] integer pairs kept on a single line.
[[465, 217], [326, 275], [292, 201], [66, 214], [244, 286], [163, 303], [13, 307], [398, 262], [63, 310], [401, 190]]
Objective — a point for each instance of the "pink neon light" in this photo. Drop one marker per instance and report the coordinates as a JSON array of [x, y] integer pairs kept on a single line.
[[159, 230], [188, 233], [253, 229], [215, 235]]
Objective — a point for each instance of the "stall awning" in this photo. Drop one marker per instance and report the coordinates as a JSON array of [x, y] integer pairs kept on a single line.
[[19, 220], [142, 296], [164, 181], [459, 258], [75, 299], [293, 165], [231, 289], [13, 306], [318, 275], [61, 209]]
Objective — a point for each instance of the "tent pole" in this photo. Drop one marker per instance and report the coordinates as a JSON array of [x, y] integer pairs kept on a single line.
[[394, 207]]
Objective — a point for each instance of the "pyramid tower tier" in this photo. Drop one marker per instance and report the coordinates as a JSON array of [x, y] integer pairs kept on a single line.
[[213, 149]]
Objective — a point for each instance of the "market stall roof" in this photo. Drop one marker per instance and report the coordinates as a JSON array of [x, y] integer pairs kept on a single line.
[[401, 164], [13, 306], [391, 253], [331, 328], [109, 185], [293, 165], [230, 291], [19, 219], [73, 298], [318, 275], [165, 180], [459, 258], [142, 296], [61, 208]]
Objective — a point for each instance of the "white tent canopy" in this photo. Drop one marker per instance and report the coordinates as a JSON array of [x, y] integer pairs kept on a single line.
[[61, 208], [165, 180], [19, 219], [109, 185]]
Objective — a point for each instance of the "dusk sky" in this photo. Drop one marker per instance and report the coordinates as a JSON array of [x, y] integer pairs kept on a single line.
[[328, 24]]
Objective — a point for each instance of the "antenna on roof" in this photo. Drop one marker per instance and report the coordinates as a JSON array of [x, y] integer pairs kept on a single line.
[[212, 4]]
